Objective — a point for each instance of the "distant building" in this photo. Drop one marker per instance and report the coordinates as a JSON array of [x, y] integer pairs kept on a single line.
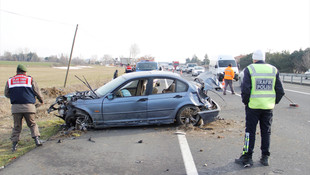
[[125, 61]]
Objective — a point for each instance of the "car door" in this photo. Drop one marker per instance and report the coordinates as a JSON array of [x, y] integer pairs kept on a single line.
[[128, 105], [162, 104]]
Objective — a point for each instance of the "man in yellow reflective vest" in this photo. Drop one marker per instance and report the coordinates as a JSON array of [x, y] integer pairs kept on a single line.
[[260, 91], [228, 78]]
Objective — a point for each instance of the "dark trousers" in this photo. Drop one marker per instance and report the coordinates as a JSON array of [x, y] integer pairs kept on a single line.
[[228, 82], [18, 123], [265, 120]]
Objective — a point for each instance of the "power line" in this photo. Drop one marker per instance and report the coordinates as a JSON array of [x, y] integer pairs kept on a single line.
[[36, 18]]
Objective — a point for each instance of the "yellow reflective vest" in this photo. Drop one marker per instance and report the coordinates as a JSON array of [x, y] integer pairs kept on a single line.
[[263, 79]]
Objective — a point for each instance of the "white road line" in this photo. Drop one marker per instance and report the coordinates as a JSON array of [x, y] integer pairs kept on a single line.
[[235, 93], [297, 91], [188, 160]]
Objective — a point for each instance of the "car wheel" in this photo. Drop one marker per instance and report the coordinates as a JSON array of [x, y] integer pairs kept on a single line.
[[188, 115], [78, 119]]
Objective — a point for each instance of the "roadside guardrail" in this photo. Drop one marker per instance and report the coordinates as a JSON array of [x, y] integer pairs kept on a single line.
[[301, 79]]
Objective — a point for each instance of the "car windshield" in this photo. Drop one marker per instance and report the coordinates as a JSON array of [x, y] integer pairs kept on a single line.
[[225, 63], [103, 90], [146, 66]]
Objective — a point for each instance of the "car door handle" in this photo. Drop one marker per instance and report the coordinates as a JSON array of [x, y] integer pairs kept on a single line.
[[178, 96], [142, 99]]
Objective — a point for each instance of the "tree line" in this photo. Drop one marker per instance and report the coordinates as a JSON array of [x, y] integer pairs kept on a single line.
[[285, 62], [195, 59], [33, 57]]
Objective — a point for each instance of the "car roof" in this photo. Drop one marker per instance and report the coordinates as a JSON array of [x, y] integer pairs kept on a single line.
[[151, 74]]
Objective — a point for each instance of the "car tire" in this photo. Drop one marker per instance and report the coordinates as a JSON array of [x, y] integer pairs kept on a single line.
[[78, 119], [188, 115]]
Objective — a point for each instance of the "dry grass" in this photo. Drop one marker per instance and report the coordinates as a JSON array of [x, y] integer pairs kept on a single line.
[[48, 77], [51, 81]]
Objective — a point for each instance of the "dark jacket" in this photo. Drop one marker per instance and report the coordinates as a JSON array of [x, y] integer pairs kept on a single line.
[[28, 107], [247, 86]]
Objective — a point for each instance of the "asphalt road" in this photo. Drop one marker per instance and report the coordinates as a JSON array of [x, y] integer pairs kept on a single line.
[[211, 151]]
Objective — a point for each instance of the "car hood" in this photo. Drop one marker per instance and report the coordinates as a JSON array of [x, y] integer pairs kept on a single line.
[[209, 81]]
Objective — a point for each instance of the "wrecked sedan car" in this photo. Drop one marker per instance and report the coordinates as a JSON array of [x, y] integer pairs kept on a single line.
[[139, 98]]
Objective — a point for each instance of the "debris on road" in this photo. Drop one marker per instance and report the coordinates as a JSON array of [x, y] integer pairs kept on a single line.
[[90, 139], [59, 141], [140, 141]]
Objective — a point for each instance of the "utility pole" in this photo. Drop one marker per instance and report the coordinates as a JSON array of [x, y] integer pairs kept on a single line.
[[71, 55]]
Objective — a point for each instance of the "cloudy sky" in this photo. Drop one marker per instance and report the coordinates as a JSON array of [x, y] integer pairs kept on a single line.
[[165, 29]]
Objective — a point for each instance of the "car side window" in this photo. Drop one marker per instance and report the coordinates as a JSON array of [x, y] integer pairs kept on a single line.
[[181, 86], [166, 85], [132, 88]]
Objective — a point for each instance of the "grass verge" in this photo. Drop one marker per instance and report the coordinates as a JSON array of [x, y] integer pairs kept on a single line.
[[26, 143]]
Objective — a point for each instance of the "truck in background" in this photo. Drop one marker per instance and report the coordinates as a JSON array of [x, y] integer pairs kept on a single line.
[[220, 63], [175, 64]]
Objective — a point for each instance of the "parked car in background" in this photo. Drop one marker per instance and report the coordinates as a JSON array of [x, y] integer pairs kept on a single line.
[[146, 65], [190, 67], [170, 68], [138, 98], [197, 70], [183, 68]]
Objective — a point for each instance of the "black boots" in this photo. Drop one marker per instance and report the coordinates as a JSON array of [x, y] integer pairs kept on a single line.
[[245, 160], [264, 160], [37, 141], [14, 146]]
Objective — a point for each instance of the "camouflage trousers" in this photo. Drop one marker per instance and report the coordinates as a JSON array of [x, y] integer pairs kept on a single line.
[[18, 122]]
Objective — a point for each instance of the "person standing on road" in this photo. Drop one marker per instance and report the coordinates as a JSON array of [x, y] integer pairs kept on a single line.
[[128, 68], [115, 74], [260, 91], [22, 90], [228, 78]]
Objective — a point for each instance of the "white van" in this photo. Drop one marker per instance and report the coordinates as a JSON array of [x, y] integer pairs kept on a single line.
[[220, 63]]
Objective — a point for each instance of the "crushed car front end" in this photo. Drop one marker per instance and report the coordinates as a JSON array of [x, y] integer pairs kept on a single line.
[[70, 109]]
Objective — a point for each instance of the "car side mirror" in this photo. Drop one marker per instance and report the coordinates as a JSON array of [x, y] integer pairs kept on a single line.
[[111, 96], [215, 66]]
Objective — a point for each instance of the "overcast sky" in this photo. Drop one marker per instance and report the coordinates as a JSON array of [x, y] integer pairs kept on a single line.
[[165, 29]]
